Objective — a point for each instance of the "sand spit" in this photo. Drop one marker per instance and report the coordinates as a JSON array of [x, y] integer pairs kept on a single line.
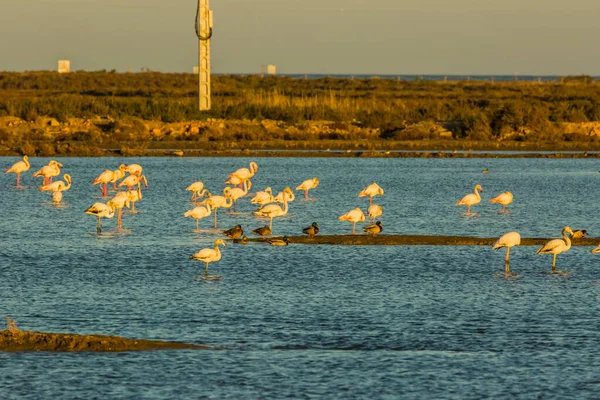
[[17, 340]]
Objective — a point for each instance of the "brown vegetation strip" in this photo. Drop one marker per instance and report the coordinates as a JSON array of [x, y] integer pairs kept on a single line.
[[16, 340], [418, 240]]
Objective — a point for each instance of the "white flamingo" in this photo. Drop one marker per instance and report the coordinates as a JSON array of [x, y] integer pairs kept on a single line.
[[134, 169], [209, 255], [49, 171], [18, 168], [470, 199], [134, 196], [217, 202], [274, 210], [374, 211], [507, 240], [57, 188], [353, 216], [237, 193], [117, 175], [284, 196], [503, 199], [371, 191], [557, 246], [263, 197], [100, 210], [307, 185], [120, 201], [103, 179], [196, 189], [243, 174], [198, 213], [133, 180]]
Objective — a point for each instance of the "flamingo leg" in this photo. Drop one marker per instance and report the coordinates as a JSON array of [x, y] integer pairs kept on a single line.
[[370, 200], [18, 179], [306, 194], [99, 227], [104, 190], [271, 224], [196, 224], [469, 209], [507, 263], [354, 228], [115, 185], [554, 263], [206, 269], [216, 209]]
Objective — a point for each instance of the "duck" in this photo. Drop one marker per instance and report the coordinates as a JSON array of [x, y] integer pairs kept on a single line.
[[234, 232], [279, 242], [374, 229], [471, 199], [311, 230], [243, 240], [264, 231], [578, 234]]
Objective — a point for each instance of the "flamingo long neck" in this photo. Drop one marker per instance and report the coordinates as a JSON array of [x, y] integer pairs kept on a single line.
[[68, 185], [246, 187], [477, 194], [285, 204], [26, 161], [217, 250], [567, 239]]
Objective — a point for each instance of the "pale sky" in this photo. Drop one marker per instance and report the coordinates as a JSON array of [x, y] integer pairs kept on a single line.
[[524, 37]]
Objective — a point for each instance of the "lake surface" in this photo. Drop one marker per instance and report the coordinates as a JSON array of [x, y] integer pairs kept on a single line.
[[409, 322]]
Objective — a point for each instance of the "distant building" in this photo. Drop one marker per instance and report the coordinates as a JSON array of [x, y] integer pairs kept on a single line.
[[271, 69], [196, 69], [64, 66]]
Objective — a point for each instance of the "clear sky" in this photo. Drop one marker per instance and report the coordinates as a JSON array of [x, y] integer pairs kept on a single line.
[[537, 37]]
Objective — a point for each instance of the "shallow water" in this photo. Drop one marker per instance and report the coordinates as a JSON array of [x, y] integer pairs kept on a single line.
[[308, 321]]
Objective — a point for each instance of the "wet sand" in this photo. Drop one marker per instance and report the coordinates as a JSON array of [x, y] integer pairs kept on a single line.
[[416, 240], [17, 340]]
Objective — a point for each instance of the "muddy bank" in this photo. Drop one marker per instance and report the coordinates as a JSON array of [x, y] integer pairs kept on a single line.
[[418, 240], [17, 340]]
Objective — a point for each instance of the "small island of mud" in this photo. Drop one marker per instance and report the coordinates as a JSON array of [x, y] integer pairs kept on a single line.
[[17, 340]]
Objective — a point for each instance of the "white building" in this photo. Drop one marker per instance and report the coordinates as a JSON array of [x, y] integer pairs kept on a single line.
[[64, 66]]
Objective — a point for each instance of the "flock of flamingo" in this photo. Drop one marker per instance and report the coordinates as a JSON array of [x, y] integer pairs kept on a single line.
[[269, 206]]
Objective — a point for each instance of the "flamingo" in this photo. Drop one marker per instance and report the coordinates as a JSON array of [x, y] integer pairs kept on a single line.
[[237, 193], [289, 197], [374, 211], [307, 185], [118, 174], [507, 240], [134, 195], [198, 213], [49, 171], [354, 216], [233, 180], [557, 246], [57, 188], [134, 169], [596, 249], [243, 174], [371, 191], [263, 197], [133, 180], [103, 179], [196, 189], [209, 255], [274, 210], [18, 168], [217, 202], [100, 210], [503, 199], [121, 200], [470, 199]]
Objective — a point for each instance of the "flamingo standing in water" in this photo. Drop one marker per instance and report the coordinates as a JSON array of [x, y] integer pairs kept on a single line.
[[217, 202], [284, 196], [263, 197], [196, 189], [374, 211], [243, 174], [118, 174], [274, 210], [507, 240], [103, 179], [134, 195], [121, 200], [49, 171], [209, 255], [353, 216], [234, 180], [198, 213], [557, 246], [18, 168], [100, 210], [133, 180], [134, 169], [371, 191], [237, 193], [57, 188], [307, 185], [503, 199], [471, 199]]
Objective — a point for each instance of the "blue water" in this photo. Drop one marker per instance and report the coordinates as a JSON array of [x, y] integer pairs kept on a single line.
[[300, 321]]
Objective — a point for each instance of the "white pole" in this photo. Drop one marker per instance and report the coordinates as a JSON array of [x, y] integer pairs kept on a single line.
[[204, 32]]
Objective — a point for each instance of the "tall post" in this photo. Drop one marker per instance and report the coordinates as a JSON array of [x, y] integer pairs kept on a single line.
[[204, 33]]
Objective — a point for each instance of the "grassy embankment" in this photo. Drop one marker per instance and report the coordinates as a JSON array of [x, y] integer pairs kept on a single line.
[[88, 113]]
